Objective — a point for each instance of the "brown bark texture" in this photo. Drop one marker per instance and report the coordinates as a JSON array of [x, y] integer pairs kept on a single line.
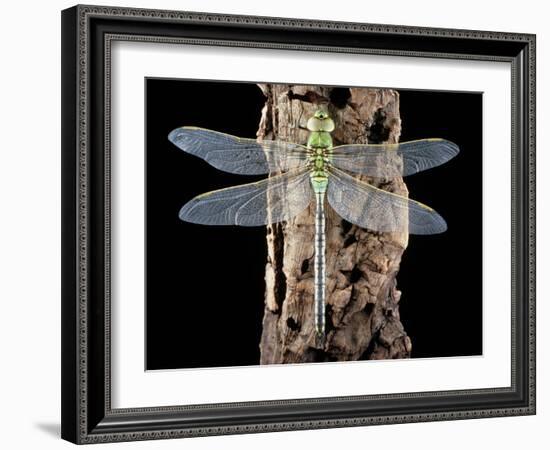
[[362, 299]]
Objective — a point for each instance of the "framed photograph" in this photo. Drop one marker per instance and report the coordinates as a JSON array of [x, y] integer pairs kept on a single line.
[[283, 224]]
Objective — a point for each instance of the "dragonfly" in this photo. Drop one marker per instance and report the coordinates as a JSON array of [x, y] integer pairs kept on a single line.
[[300, 174]]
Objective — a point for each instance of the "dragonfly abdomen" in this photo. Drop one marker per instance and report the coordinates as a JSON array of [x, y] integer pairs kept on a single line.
[[320, 264]]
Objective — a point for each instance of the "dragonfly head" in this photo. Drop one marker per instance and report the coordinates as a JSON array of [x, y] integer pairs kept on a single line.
[[320, 121]]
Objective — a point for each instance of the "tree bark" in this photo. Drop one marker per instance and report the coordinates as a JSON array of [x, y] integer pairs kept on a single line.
[[362, 299]]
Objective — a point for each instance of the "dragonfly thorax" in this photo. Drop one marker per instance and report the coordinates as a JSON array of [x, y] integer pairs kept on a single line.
[[319, 157], [319, 144], [319, 139]]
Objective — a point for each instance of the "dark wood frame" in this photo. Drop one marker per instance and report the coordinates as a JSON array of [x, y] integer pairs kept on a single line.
[[87, 32]]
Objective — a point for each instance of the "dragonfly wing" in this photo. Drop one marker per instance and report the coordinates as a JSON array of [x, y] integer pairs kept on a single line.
[[369, 207], [239, 155], [394, 160], [274, 199]]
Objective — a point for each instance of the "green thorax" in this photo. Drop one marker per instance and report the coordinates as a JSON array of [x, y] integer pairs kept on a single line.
[[319, 139], [319, 144]]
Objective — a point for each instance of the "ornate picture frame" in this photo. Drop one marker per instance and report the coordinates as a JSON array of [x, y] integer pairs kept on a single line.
[[88, 33]]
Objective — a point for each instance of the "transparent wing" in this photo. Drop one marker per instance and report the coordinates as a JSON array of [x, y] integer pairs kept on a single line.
[[369, 207], [274, 199], [394, 160], [239, 155]]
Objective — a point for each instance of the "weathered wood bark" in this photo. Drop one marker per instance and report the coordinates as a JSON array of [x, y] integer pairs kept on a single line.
[[362, 300]]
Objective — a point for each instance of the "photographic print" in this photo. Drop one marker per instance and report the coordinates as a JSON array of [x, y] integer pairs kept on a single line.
[[305, 224], [333, 227]]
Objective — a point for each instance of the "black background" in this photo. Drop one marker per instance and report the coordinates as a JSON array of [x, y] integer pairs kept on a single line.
[[205, 285]]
